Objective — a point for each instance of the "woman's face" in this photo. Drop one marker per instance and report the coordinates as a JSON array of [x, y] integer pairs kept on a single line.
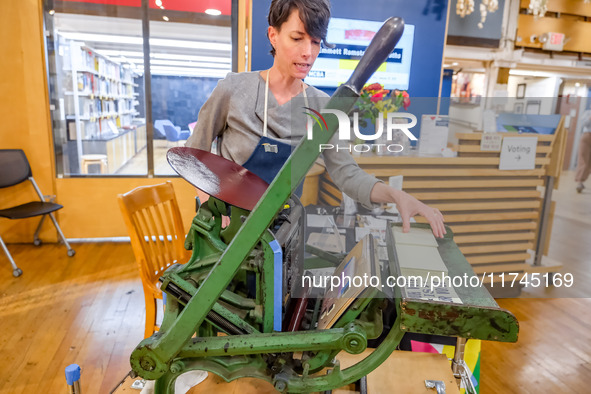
[[295, 50]]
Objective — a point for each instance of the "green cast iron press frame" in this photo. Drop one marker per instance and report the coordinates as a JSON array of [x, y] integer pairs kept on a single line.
[[205, 296]]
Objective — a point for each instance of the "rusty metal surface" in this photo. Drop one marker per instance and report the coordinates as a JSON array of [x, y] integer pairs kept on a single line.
[[465, 321], [218, 177]]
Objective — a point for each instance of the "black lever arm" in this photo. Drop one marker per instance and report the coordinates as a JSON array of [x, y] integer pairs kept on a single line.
[[377, 52]]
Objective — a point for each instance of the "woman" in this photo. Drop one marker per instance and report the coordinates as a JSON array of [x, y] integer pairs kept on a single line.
[[584, 159], [246, 108]]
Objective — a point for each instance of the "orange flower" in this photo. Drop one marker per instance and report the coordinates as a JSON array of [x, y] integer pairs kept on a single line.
[[406, 101], [374, 87], [377, 97]]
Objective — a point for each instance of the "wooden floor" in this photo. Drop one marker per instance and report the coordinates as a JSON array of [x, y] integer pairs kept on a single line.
[[553, 354], [89, 310], [138, 165], [86, 310]]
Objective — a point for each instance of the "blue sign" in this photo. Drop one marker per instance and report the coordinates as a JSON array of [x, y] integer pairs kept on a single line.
[[351, 38]]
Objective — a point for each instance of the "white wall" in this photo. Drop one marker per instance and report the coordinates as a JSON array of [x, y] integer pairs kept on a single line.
[[544, 89]]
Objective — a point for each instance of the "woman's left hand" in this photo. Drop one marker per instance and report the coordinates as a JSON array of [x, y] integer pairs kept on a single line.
[[408, 206]]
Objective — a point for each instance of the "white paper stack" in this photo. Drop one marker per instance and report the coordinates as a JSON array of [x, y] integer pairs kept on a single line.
[[417, 252]]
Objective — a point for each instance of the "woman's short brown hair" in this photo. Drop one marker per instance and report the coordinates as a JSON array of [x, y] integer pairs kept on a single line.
[[315, 15]]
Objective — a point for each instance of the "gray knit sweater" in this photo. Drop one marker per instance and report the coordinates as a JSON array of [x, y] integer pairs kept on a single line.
[[235, 112]]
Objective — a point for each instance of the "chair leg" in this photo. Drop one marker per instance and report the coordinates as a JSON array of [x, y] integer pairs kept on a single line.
[[16, 271], [36, 240], [150, 302], [71, 252]]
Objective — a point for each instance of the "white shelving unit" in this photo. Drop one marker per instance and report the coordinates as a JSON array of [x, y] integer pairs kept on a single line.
[[100, 101]]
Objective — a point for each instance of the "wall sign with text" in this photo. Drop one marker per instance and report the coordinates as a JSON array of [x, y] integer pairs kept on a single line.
[[518, 153]]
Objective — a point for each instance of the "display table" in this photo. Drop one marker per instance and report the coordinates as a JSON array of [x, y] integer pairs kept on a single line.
[[495, 214], [118, 148]]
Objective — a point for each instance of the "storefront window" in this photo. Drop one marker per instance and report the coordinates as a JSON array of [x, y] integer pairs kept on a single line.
[[187, 59], [103, 124]]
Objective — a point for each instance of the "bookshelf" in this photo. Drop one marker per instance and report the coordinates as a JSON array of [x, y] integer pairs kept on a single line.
[[100, 101]]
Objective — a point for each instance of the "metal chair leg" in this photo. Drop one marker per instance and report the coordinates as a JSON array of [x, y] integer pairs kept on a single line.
[[71, 252], [36, 240], [16, 271]]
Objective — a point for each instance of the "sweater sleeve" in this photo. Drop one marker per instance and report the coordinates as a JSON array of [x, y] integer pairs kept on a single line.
[[344, 171], [350, 179], [211, 121]]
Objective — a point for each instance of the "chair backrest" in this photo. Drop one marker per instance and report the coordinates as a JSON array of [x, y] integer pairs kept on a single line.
[[14, 167], [154, 223], [159, 127], [172, 134]]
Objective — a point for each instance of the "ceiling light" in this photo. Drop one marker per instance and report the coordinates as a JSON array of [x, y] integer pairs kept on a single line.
[[529, 73], [212, 59], [103, 38], [521, 73], [455, 64], [213, 11], [109, 52], [51, 12], [190, 44], [159, 42], [171, 64], [158, 3], [167, 56], [188, 64], [165, 18], [577, 84], [194, 72]]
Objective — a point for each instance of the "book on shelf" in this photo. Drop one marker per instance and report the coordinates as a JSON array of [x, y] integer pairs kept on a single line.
[[112, 127], [104, 90], [88, 130]]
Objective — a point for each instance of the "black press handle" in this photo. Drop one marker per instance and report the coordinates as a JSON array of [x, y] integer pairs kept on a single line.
[[380, 47]]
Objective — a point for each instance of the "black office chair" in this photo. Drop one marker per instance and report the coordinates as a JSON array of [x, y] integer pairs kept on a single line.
[[15, 169]]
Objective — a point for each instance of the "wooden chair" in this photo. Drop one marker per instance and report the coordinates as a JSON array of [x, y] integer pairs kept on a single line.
[[154, 223]]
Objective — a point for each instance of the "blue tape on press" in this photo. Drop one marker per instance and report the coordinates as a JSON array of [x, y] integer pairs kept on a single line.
[[72, 373], [277, 284]]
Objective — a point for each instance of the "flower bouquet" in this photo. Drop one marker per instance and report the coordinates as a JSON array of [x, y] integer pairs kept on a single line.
[[375, 102], [373, 106]]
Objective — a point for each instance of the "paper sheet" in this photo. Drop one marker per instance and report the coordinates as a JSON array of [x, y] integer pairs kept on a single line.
[[313, 220], [327, 242], [379, 234], [416, 236], [420, 257]]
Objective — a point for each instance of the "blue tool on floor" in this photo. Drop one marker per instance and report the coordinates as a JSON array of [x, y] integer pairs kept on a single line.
[[73, 378]]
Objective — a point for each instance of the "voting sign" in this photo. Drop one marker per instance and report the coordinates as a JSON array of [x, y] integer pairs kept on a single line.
[[518, 153]]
